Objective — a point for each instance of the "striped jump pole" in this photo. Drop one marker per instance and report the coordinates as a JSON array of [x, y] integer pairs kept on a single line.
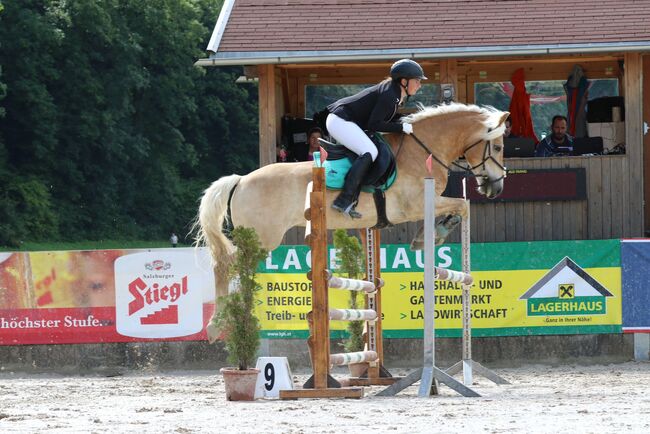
[[349, 284], [356, 357]]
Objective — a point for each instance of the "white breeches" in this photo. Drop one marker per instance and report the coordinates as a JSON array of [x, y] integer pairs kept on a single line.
[[351, 136]]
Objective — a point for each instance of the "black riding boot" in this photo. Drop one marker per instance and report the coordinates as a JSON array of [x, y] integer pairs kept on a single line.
[[347, 199]]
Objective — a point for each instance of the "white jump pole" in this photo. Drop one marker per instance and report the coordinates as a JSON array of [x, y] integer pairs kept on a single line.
[[429, 373], [467, 364]]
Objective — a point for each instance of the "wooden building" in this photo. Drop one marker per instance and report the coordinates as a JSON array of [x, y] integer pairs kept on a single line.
[[288, 45]]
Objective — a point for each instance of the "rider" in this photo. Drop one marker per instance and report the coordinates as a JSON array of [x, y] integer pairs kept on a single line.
[[353, 119]]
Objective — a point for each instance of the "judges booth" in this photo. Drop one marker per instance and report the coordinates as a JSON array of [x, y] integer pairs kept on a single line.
[[590, 194]]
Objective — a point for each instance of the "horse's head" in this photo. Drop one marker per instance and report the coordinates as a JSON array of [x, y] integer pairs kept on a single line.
[[456, 130], [485, 153]]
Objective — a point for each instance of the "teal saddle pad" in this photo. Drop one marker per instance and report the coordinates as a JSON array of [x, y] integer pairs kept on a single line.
[[336, 170]]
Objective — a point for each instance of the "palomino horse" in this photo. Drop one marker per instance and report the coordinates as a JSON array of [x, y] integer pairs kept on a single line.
[[271, 198]]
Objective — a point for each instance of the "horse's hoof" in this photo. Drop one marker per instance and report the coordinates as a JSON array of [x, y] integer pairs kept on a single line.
[[417, 245], [451, 222], [441, 234]]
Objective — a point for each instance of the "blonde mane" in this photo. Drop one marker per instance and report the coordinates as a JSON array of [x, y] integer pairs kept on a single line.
[[491, 116]]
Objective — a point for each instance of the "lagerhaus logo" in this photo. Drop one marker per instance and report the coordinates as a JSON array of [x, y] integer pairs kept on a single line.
[[566, 289]]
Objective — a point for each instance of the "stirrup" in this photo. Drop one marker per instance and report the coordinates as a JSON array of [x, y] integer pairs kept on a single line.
[[349, 210]]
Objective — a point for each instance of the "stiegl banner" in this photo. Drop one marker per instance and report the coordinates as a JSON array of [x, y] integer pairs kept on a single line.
[[158, 296]]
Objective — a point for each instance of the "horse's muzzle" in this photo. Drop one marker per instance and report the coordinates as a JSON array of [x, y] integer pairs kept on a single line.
[[490, 188]]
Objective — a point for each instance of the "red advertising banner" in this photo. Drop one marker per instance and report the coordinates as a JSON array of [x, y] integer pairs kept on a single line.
[[104, 296], [73, 326]]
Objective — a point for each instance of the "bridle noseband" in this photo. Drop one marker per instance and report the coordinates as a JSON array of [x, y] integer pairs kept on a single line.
[[487, 156]]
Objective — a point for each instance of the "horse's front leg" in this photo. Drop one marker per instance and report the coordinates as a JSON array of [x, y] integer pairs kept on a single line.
[[453, 210]]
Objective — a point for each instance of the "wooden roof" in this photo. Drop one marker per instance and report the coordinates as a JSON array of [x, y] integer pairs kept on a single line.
[[284, 31]]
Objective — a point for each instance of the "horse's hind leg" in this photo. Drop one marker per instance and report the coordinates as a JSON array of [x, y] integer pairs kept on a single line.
[[453, 211]]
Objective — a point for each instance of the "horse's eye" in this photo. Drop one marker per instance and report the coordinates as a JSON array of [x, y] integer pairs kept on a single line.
[[497, 148]]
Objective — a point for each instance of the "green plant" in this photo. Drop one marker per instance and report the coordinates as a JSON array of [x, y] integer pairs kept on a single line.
[[237, 320], [351, 264]]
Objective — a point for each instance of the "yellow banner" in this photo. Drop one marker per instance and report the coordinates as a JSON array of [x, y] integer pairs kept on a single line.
[[497, 305]]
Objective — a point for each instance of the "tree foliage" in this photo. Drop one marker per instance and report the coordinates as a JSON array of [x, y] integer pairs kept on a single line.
[[351, 263], [237, 318], [109, 130]]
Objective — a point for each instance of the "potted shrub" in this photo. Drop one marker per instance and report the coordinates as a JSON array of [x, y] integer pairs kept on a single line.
[[237, 320], [351, 264]]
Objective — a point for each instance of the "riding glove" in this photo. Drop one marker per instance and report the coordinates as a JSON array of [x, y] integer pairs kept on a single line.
[[407, 128]]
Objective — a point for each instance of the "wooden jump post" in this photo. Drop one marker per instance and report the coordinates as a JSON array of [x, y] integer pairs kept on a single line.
[[321, 384]]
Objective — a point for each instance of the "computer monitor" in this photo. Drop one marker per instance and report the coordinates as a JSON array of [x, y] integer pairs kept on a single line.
[[587, 145], [518, 147]]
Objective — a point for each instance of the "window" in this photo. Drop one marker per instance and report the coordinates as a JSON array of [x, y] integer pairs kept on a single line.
[[547, 98], [317, 97]]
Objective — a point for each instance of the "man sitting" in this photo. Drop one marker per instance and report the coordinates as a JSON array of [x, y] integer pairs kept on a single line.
[[507, 133], [558, 142]]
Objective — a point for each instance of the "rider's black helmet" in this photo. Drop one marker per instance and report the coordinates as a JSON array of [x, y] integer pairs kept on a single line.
[[406, 68]]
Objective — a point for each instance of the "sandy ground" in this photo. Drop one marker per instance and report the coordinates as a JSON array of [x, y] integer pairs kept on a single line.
[[576, 399]]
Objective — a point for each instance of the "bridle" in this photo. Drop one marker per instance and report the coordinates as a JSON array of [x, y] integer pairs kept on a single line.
[[487, 156]]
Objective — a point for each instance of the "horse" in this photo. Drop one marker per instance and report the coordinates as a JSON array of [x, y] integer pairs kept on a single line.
[[270, 199]]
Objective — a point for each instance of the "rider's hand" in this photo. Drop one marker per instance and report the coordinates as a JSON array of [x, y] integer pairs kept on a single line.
[[407, 128]]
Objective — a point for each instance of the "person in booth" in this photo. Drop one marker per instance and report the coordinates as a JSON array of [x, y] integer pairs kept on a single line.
[[507, 133], [312, 142], [556, 143], [352, 120]]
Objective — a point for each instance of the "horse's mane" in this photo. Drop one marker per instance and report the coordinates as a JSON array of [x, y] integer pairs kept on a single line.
[[491, 116]]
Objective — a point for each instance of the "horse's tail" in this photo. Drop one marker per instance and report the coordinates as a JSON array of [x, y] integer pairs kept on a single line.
[[208, 225], [209, 222]]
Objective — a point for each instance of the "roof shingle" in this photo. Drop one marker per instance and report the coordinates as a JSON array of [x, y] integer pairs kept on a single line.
[[325, 25]]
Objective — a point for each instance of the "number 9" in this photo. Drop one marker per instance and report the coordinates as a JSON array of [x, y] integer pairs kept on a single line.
[[269, 375]]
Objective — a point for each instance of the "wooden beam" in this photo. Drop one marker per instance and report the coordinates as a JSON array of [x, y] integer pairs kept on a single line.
[[269, 118], [573, 58], [646, 140], [633, 225], [449, 75], [449, 72]]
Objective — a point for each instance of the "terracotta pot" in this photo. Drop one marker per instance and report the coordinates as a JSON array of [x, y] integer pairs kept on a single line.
[[358, 369], [240, 385]]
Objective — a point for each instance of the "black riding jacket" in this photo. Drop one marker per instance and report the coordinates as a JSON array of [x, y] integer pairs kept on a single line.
[[373, 109]]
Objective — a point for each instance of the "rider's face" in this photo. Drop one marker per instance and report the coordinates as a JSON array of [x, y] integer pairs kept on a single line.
[[413, 85]]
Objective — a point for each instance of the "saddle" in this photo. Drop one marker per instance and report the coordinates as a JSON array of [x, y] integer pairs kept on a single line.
[[378, 179], [381, 174]]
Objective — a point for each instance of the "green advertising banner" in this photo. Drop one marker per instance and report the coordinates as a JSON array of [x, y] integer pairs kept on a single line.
[[523, 288]]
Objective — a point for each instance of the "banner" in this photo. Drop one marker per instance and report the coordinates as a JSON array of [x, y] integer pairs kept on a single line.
[[104, 296], [635, 263], [530, 288]]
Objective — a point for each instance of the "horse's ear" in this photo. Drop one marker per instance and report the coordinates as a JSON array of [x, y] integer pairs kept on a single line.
[[504, 116]]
